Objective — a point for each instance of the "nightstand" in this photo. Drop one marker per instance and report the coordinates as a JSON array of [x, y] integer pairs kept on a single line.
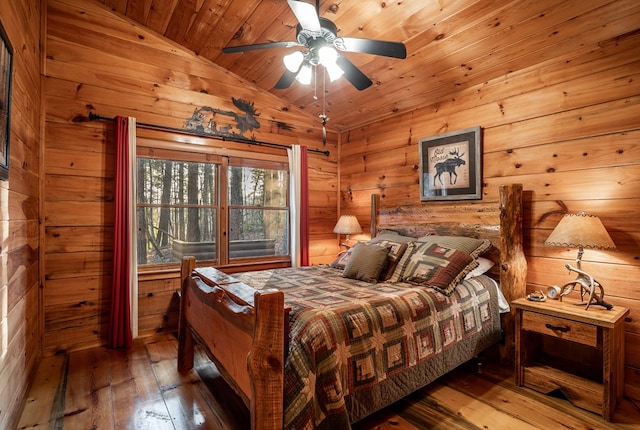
[[561, 346]]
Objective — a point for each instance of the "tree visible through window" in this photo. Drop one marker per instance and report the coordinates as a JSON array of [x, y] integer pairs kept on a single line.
[[179, 211]]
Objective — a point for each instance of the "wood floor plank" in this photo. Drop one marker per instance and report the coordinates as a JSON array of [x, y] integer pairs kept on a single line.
[[88, 399], [538, 410], [385, 420], [474, 410], [138, 402], [425, 412], [141, 389], [189, 410], [183, 394], [40, 403], [226, 404]]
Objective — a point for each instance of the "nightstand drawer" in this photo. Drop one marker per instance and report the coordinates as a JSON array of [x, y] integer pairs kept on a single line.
[[562, 328]]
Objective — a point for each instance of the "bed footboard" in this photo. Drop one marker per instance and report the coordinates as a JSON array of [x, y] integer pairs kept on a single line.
[[242, 331]]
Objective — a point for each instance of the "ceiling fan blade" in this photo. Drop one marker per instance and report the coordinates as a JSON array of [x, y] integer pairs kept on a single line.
[[255, 47], [286, 80], [371, 46], [306, 15], [353, 74]]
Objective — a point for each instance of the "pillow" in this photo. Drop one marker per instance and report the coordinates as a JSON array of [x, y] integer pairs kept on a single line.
[[395, 251], [397, 273], [391, 235], [366, 262], [484, 264], [342, 259], [472, 246], [437, 266]]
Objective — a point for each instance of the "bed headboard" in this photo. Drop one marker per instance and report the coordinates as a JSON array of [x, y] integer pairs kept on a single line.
[[500, 223]]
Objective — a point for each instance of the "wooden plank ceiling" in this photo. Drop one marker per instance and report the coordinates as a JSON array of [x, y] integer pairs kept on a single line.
[[451, 45]]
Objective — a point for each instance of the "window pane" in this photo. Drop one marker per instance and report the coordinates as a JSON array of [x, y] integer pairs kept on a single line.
[[258, 232], [176, 207], [250, 186], [258, 213], [151, 250]]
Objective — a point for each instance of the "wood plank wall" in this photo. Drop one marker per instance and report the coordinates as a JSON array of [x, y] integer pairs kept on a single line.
[[99, 62], [20, 348], [567, 129]]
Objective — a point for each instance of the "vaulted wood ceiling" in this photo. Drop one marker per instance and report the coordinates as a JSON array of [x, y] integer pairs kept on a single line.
[[451, 45]]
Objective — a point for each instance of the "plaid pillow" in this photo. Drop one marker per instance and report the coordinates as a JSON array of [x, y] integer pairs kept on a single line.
[[395, 252], [470, 245], [342, 259], [437, 266]]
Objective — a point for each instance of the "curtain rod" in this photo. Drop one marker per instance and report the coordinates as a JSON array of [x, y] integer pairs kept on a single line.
[[96, 117]]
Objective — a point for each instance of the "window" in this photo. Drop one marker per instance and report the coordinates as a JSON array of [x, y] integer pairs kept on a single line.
[[181, 210], [258, 212]]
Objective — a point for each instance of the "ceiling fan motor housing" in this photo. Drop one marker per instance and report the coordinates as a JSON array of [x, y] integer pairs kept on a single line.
[[314, 40]]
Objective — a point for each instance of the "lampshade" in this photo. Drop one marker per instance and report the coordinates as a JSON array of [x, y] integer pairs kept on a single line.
[[580, 231], [304, 75], [327, 56], [293, 61], [347, 224]]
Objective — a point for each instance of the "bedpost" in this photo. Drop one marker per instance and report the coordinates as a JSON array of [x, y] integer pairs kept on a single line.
[[185, 338], [373, 225], [513, 264], [265, 362]]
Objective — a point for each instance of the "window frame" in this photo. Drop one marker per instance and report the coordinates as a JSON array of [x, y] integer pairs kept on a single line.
[[203, 154]]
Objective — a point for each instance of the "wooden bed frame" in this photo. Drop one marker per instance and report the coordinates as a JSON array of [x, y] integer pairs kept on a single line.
[[243, 330]]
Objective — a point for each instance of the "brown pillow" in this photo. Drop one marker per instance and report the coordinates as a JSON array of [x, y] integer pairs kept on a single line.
[[366, 262]]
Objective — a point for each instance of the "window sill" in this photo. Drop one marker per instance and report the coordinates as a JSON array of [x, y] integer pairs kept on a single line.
[[173, 270]]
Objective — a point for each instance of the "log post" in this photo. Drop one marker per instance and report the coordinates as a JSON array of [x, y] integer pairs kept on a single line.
[[375, 207], [513, 264], [185, 338], [266, 361]]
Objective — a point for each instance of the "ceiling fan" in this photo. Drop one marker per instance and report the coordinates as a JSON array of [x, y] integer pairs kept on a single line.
[[320, 37]]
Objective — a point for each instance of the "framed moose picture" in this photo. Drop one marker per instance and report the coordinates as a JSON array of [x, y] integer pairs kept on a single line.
[[450, 166], [6, 57]]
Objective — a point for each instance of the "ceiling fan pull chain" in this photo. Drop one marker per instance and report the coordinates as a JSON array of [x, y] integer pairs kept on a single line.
[[315, 83], [323, 115]]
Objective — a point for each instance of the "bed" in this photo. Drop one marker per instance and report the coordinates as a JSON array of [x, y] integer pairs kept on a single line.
[[324, 346]]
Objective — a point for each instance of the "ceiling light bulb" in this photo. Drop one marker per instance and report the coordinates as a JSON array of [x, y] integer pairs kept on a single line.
[[327, 56], [293, 61], [304, 75], [334, 72]]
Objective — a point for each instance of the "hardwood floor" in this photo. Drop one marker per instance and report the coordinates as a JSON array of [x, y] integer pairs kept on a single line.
[[141, 389]]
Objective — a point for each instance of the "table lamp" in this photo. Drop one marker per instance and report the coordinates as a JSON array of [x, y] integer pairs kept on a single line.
[[347, 224], [582, 231]]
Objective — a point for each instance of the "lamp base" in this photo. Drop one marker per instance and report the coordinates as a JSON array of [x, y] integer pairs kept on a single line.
[[588, 285]]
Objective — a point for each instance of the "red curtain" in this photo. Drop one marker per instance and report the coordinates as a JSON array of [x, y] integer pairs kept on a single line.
[[120, 321], [304, 207]]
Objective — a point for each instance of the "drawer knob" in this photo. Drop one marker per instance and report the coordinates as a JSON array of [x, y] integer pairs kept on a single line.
[[556, 328]]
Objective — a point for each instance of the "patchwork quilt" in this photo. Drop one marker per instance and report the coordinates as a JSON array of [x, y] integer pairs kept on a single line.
[[356, 347]]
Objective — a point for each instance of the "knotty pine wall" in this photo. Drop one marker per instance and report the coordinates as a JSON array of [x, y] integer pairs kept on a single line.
[[20, 349], [568, 129], [99, 62]]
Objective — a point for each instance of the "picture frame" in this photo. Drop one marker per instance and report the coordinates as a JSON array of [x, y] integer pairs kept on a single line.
[[450, 165], [6, 74]]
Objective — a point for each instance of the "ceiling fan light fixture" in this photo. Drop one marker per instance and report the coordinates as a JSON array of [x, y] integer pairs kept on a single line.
[[327, 56], [304, 75], [293, 61], [319, 36], [334, 71]]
